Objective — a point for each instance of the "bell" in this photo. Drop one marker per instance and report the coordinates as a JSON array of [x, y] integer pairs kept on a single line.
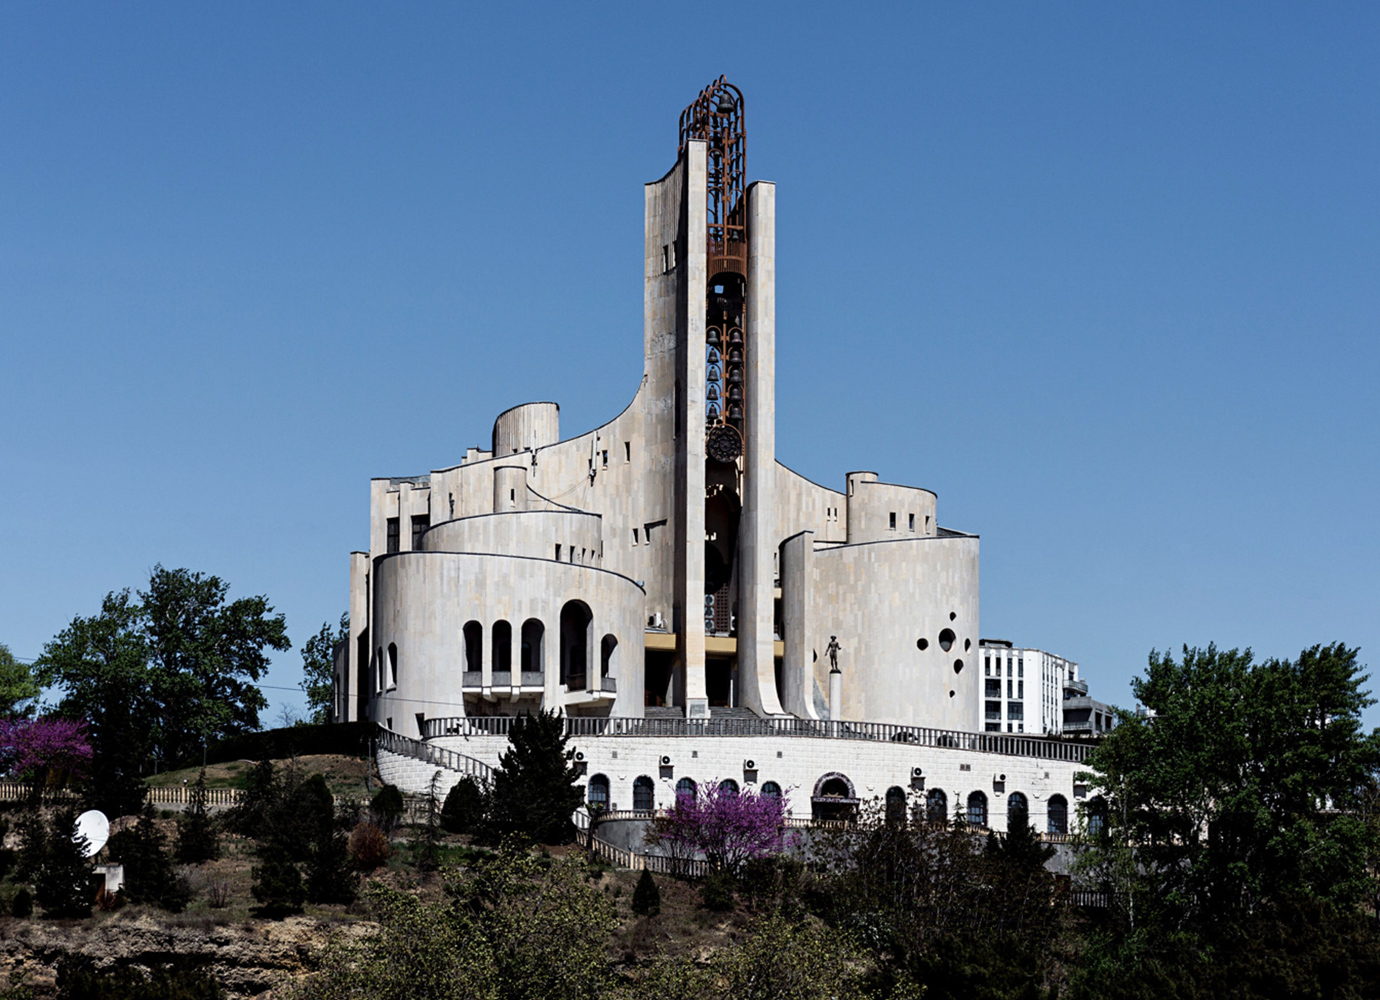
[[726, 104], [735, 393], [713, 357], [736, 355], [713, 392], [735, 413], [713, 335], [735, 375], [735, 336]]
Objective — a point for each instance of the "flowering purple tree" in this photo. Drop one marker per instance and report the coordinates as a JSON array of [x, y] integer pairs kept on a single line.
[[33, 749], [727, 826]]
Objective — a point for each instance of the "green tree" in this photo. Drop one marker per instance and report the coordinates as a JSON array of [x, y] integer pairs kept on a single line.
[[467, 803], [197, 840], [1243, 784], [205, 655], [149, 873], [277, 882], [18, 690], [534, 791], [318, 668], [161, 675], [101, 663], [646, 901], [62, 875]]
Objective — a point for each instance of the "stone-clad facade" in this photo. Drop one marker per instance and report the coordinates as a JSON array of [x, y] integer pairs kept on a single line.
[[666, 564]]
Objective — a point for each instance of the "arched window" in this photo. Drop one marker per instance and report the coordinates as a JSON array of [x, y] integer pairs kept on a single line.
[[644, 794], [977, 809], [1058, 812], [598, 795], [1097, 817], [575, 619], [770, 790], [392, 664], [503, 648], [728, 786], [686, 786], [895, 804], [474, 647], [533, 634], [1017, 812], [936, 806], [607, 649]]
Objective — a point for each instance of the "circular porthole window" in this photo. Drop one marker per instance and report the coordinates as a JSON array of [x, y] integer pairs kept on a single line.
[[953, 615], [946, 639], [922, 644], [958, 666]]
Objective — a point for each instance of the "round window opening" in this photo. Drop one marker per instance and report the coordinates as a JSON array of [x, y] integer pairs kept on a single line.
[[953, 615], [922, 644], [958, 666], [946, 639]]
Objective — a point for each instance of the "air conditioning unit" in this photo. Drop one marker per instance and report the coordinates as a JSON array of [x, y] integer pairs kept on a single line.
[[579, 756], [665, 760], [1000, 779], [749, 765], [917, 772]]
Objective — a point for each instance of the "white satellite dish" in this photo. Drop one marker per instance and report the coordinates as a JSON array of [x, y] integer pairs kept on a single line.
[[95, 828]]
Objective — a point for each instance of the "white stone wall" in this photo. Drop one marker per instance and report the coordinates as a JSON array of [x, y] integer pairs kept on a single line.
[[422, 601], [881, 599], [796, 764]]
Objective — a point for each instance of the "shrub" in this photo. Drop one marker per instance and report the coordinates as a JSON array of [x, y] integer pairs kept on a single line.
[[197, 840], [368, 846], [330, 875], [23, 904], [534, 787], [716, 891], [277, 883], [149, 873], [646, 901], [79, 979], [387, 807], [466, 806]]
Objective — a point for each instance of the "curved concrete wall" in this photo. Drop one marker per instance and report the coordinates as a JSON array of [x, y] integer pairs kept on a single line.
[[526, 428], [531, 533], [880, 599], [422, 601], [872, 505]]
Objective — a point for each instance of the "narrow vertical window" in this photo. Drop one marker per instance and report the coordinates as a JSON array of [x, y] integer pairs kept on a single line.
[[912, 522], [420, 522], [634, 536], [393, 534], [893, 520], [627, 451], [558, 552]]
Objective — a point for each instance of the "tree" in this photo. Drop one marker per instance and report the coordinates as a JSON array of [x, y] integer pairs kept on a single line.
[[197, 841], [101, 664], [37, 750], [18, 690], [1021, 844], [467, 803], [387, 807], [534, 791], [161, 675], [727, 826], [149, 873], [646, 901], [1243, 785], [277, 882], [205, 654], [318, 668], [61, 872]]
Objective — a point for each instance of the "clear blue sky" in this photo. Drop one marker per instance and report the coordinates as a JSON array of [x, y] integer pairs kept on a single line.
[[1105, 279]]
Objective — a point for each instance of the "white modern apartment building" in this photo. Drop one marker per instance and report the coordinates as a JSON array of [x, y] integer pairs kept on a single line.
[[1031, 691]]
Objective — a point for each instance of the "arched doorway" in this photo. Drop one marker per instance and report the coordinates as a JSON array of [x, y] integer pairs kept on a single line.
[[834, 798], [575, 619], [533, 635]]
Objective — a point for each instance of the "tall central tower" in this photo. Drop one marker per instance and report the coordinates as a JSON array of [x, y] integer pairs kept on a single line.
[[722, 262]]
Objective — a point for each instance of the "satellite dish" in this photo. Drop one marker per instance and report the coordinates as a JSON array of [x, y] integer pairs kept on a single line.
[[95, 828]]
